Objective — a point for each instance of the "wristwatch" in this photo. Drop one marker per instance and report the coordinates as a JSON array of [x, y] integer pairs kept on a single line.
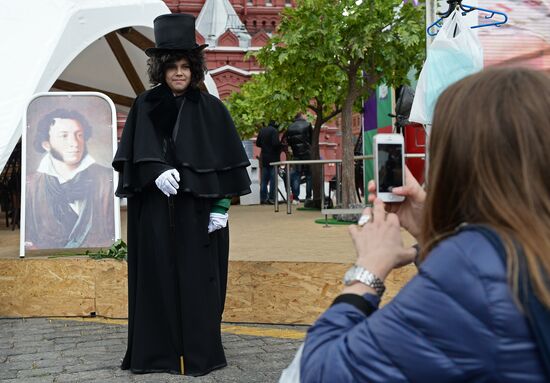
[[360, 274]]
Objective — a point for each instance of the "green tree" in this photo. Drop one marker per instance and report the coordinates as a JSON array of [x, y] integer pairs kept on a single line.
[[369, 42]]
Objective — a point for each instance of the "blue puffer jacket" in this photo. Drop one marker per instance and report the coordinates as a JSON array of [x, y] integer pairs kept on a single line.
[[456, 321]]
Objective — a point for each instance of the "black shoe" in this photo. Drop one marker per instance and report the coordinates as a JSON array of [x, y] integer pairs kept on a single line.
[[267, 202]]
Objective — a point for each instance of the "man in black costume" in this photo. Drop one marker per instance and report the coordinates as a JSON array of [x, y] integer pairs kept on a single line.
[[180, 160], [69, 199]]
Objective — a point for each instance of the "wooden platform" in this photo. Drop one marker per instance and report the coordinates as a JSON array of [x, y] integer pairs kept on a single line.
[[283, 269]]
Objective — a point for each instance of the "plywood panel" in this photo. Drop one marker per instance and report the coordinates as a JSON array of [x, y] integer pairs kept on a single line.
[[258, 292], [40, 287], [290, 292], [111, 288], [280, 292]]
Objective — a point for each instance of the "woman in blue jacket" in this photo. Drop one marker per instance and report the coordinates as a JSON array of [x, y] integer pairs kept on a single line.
[[478, 309]]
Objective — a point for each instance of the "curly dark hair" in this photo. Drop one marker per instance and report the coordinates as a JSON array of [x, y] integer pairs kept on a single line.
[[44, 125], [157, 65]]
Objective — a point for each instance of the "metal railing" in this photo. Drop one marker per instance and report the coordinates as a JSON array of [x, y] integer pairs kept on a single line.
[[322, 163]]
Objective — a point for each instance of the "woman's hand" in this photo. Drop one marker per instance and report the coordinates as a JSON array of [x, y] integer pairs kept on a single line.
[[379, 244], [409, 211]]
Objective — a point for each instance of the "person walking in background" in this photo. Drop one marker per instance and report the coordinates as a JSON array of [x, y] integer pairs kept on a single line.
[[298, 136], [270, 145], [478, 310], [180, 160]]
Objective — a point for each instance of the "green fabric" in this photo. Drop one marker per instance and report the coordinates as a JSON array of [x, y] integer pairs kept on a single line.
[[221, 206], [383, 108], [368, 165]]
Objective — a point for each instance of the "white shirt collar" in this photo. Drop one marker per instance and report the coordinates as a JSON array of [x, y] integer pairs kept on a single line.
[[46, 166]]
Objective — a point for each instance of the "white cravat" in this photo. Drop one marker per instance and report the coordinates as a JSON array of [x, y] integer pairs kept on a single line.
[[47, 166]]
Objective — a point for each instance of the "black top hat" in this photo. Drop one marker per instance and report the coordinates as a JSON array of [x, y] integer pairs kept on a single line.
[[174, 32]]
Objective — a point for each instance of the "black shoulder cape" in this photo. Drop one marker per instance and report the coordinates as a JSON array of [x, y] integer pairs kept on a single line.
[[207, 150]]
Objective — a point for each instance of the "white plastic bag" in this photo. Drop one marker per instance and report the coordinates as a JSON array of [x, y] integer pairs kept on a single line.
[[291, 374], [455, 53]]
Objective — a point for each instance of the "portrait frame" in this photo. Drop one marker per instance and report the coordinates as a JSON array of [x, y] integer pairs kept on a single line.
[[97, 209]]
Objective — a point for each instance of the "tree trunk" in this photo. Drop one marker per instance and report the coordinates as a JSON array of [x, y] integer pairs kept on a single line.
[[348, 164], [316, 169]]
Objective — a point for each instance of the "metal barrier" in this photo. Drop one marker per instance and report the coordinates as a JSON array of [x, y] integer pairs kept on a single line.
[[322, 163]]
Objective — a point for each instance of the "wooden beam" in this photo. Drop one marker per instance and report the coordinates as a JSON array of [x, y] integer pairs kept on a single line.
[[125, 62], [73, 87], [136, 38]]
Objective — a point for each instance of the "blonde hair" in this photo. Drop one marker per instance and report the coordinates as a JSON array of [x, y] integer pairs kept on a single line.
[[489, 164]]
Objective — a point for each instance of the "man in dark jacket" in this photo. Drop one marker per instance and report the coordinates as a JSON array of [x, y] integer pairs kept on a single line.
[[268, 142], [180, 160], [299, 135]]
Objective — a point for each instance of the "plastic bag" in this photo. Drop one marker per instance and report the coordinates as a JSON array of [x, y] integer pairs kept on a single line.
[[291, 374], [455, 53]]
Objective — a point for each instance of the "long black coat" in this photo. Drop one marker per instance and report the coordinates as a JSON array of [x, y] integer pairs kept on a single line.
[[177, 272]]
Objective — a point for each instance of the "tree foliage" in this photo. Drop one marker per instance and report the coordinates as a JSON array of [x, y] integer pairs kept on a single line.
[[258, 102]]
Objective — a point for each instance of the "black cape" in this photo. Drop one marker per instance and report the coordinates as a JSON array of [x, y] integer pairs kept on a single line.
[[177, 272]]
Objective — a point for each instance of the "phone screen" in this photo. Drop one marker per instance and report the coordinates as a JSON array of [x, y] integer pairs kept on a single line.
[[390, 167]]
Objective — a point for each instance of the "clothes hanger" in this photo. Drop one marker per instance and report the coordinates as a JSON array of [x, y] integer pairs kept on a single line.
[[457, 4]]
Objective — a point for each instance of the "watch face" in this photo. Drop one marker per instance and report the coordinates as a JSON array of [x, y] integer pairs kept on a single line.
[[349, 276]]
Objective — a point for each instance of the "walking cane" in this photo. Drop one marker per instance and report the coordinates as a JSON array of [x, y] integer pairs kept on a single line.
[[179, 335]]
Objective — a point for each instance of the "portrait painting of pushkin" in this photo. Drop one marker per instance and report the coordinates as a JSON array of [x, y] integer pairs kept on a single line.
[[67, 183]]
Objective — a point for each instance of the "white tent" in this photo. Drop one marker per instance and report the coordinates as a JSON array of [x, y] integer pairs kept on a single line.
[[72, 45], [216, 17]]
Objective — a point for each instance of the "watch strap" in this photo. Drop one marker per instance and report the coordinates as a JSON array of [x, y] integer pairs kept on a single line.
[[364, 276]]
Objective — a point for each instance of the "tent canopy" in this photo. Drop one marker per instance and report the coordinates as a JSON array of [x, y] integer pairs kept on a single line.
[[73, 45]]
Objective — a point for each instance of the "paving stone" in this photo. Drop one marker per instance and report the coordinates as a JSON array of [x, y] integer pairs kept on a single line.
[[250, 342], [37, 349], [46, 372], [3, 344], [105, 365], [64, 346], [97, 350], [271, 340], [86, 376], [34, 356], [7, 374], [280, 348], [17, 366], [35, 379]]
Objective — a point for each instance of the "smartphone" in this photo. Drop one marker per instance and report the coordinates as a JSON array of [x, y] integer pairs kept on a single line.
[[389, 165]]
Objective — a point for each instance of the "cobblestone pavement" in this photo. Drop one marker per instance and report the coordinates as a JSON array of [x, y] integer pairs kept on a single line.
[[58, 350]]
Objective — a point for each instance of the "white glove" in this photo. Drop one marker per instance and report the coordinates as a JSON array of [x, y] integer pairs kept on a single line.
[[167, 182], [217, 221]]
